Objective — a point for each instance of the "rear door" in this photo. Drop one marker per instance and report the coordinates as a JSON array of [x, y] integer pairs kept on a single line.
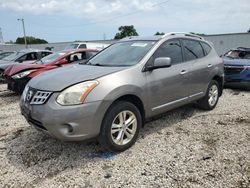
[[194, 55], [168, 87]]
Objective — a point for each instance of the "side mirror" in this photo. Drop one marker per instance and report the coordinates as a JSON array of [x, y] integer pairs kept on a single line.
[[160, 62]]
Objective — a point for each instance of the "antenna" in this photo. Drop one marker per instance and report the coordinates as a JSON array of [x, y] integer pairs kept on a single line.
[[1, 36]]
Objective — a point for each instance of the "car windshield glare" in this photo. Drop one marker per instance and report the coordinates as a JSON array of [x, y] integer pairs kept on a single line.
[[126, 53], [50, 58], [13, 56]]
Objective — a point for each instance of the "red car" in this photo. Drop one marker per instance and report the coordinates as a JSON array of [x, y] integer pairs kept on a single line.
[[18, 75]]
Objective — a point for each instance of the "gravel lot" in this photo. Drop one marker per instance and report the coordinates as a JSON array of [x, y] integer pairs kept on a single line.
[[186, 147]]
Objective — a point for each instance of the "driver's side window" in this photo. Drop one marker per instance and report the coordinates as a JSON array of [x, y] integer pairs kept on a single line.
[[172, 49], [23, 58], [28, 57]]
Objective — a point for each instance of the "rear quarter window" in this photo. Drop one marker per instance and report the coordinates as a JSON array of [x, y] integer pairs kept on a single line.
[[192, 50], [207, 49]]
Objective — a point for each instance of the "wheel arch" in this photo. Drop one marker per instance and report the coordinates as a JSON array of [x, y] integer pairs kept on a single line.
[[220, 80], [134, 99]]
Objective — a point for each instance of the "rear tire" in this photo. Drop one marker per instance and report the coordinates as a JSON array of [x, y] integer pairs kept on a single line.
[[1, 76], [211, 98], [120, 126]]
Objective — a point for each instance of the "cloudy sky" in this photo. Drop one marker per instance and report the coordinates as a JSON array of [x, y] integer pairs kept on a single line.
[[69, 20]]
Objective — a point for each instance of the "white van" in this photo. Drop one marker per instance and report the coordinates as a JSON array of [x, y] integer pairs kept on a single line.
[[90, 45]]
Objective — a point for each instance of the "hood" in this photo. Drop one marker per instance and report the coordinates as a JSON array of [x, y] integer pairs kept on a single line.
[[58, 79], [6, 62], [16, 68], [3, 66], [234, 62]]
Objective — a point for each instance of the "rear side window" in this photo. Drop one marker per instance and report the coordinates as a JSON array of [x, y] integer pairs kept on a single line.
[[83, 46], [206, 48], [192, 50], [170, 49]]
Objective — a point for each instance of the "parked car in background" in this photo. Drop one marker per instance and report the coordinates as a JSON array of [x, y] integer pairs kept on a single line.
[[18, 75], [124, 84], [237, 68], [90, 45], [23, 56], [5, 54]]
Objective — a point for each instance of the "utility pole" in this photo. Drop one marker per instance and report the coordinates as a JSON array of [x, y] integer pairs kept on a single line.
[[24, 35], [1, 36], [104, 36]]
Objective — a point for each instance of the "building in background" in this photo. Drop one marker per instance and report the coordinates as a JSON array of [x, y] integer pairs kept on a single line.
[[222, 43]]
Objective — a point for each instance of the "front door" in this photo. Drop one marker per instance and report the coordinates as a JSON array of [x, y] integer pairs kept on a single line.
[[168, 88]]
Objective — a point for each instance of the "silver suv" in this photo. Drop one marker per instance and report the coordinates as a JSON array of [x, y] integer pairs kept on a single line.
[[111, 96]]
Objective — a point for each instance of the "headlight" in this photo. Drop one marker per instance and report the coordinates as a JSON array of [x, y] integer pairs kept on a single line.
[[22, 74], [76, 94]]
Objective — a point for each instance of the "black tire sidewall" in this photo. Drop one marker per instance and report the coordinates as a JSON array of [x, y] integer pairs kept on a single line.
[[105, 137]]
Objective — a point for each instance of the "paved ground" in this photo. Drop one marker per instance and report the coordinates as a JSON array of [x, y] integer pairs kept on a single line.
[[186, 147]]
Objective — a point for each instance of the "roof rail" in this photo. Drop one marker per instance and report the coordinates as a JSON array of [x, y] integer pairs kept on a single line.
[[183, 34], [130, 37]]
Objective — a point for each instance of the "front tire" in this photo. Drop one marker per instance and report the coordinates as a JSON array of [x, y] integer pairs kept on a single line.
[[1, 76], [120, 127], [211, 98]]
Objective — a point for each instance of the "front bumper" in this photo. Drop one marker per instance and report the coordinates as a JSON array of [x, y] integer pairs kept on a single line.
[[238, 80], [67, 123], [16, 85], [238, 84]]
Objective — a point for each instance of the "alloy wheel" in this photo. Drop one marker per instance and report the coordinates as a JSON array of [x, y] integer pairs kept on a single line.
[[213, 95], [123, 127]]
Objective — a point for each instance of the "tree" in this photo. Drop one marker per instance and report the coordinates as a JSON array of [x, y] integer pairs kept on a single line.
[[30, 40], [248, 30], [126, 31], [159, 33], [200, 34]]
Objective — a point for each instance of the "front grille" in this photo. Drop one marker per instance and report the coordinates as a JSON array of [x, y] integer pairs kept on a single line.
[[233, 69], [40, 97], [34, 96]]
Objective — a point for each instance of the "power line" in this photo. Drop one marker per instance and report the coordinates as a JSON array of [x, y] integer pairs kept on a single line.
[[112, 18]]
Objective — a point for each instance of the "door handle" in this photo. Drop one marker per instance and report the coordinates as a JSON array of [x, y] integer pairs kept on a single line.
[[183, 72], [209, 65]]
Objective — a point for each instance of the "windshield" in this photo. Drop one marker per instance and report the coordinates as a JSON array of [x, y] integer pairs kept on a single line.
[[237, 54], [122, 54], [14, 56], [5, 54], [50, 58], [71, 46]]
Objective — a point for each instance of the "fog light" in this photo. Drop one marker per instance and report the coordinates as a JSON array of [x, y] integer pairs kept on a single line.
[[68, 128]]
